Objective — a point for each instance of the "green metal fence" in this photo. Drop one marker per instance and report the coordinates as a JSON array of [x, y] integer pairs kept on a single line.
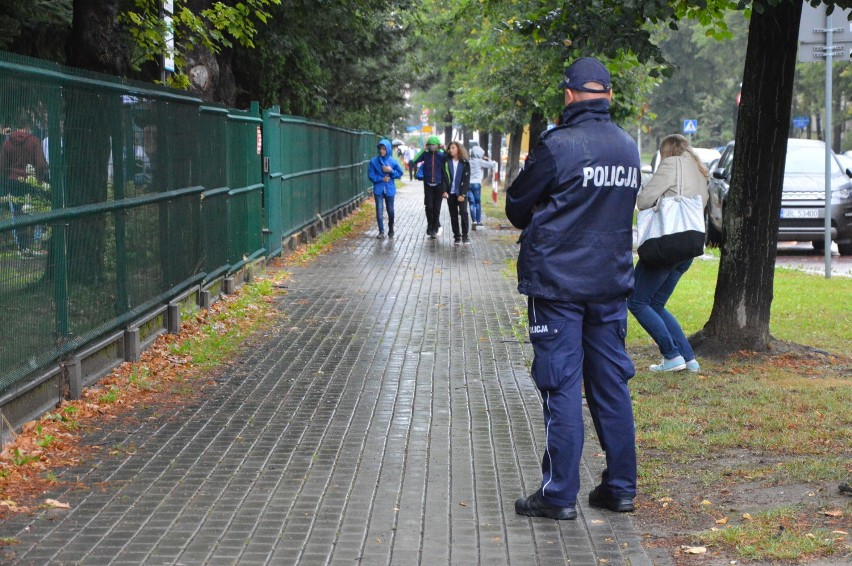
[[117, 196], [312, 169]]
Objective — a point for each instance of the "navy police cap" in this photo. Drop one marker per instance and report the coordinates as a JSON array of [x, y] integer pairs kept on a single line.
[[586, 70]]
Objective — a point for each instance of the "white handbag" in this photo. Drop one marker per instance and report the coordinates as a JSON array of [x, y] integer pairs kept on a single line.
[[672, 230]]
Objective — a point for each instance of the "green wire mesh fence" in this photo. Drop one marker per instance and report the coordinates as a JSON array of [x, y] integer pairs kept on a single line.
[[116, 196]]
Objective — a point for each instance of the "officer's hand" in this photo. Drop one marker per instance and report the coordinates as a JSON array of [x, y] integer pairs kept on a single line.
[[444, 195], [461, 198]]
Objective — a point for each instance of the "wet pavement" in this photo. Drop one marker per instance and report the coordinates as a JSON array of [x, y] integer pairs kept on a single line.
[[387, 418], [803, 256]]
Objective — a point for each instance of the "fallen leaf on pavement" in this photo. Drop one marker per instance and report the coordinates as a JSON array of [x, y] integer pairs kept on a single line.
[[56, 504], [694, 549]]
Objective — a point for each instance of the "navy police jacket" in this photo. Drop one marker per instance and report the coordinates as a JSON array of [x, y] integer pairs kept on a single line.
[[574, 201]]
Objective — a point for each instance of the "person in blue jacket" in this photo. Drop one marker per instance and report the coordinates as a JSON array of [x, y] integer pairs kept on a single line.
[[433, 160], [574, 200], [383, 172]]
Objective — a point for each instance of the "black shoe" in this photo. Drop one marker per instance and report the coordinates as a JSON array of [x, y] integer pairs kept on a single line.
[[381, 236], [390, 233], [599, 498], [536, 506]]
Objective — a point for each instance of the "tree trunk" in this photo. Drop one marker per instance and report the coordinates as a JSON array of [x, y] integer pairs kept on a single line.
[[740, 316], [495, 153], [448, 118], [448, 130], [95, 43], [488, 178], [538, 125], [483, 140], [513, 166]]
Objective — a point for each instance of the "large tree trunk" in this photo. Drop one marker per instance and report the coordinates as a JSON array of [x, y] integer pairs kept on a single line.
[[513, 164], [740, 316], [95, 43]]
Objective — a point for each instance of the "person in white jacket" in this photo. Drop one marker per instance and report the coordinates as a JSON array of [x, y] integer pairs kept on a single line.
[[478, 163], [654, 285]]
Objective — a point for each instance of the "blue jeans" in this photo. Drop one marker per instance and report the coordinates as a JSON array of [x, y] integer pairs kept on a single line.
[[474, 197], [381, 200], [652, 290]]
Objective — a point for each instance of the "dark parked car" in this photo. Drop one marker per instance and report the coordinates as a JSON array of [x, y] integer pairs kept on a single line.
[[802, 199]]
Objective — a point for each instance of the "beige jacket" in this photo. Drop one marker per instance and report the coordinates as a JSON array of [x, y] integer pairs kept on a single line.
[[664, 182]]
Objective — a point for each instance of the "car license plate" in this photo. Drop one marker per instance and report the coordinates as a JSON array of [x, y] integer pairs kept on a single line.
[[800, 213]]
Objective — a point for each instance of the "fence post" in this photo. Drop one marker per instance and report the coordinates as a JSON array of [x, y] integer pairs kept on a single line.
[[58, 245]]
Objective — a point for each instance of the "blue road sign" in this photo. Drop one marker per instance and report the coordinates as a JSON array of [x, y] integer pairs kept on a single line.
[[801, 122], [690, 126]]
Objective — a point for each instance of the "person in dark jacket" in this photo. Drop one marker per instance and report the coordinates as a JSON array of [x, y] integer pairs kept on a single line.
[[433, 160], [383, 172], [456, 183], [574, 200]]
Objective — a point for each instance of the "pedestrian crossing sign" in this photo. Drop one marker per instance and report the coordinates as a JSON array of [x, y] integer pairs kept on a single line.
[[690, 126]]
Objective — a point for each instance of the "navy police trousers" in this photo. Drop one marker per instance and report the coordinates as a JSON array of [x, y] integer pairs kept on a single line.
[[576, 345]]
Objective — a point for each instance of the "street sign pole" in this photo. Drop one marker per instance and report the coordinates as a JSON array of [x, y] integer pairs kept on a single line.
[[817, 42], [829, 52]]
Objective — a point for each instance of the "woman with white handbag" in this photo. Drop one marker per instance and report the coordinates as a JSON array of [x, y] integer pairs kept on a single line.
[[673, 200]]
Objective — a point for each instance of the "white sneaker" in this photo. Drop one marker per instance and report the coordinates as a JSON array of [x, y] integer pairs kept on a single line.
[[440, 231]]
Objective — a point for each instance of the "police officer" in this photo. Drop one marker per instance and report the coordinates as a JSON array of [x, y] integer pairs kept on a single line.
[[574, 201]]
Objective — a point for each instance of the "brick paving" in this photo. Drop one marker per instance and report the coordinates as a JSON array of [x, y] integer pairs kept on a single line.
[[388, 418]]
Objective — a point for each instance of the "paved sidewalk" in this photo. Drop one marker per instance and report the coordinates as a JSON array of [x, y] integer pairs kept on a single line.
[[388, 418]]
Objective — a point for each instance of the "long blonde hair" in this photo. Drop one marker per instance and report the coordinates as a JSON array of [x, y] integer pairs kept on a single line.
[[676, 145]]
